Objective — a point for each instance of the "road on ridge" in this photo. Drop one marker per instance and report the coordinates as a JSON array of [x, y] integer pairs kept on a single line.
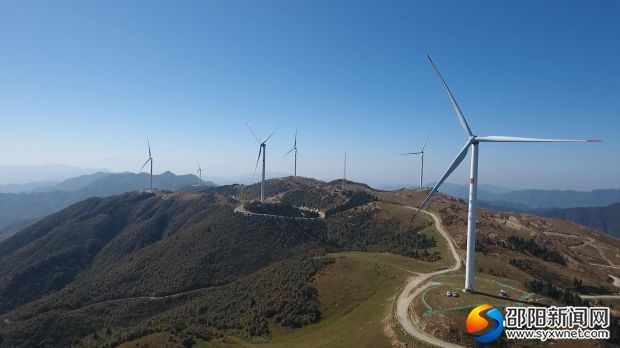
[[413, 289]]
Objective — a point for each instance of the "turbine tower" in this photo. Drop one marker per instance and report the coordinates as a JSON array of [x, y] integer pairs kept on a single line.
[[294, 148], [421, 152], [150, 159], [261, 150], [199, 172], [474, 141]]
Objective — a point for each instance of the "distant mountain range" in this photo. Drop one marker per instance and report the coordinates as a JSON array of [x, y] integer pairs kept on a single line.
[[534, 199], [18, 210], [605, 219], [599, 209], [16, 175]]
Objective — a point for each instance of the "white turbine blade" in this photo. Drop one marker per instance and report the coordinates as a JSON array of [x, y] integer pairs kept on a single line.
[[426, 141], [456, 107], [149, 145], [459, 158], [295, 144], [272, 133], [260, 149], [507, 139], [411, 153], [289, 151], [254, 134], [147, 161]]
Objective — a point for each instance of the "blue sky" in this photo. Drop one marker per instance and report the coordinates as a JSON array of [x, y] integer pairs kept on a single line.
[[84, 83]]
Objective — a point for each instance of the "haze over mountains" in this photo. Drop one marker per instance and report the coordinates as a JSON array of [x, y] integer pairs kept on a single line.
[[18, 210]]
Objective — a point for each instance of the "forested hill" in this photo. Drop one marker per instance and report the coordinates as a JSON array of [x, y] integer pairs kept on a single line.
[[92, 267]]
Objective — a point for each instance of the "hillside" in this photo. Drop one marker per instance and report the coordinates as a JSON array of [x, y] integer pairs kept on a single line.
[[146, 257], [605, 219], [198, 267], [22, 208]]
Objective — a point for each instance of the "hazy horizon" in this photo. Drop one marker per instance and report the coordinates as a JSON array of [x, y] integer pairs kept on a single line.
[[60, 172], [349, 76]]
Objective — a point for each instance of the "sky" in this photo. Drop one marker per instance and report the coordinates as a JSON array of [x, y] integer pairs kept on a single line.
[[85, 83]]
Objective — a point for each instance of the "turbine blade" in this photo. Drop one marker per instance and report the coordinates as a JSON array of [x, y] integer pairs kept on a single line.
[[411, 153], [459, 158], [295, 145], [272, 133], [456, 107], [426, 142], [260, 149], [507, 139], [149, 145], [147, 161], [289, 151], [254, 134]]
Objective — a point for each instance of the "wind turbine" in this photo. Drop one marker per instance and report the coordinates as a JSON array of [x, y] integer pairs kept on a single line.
[[344, 177], [294, 148], [261, 150], [199, 172], [150, 159], [474, 141], [421, 152]]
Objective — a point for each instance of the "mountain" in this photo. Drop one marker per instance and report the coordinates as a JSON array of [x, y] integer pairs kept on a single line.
[[73, 184], [606, 219], [534, 199], [180, 268], [23, 207], [25, 187], [107, 270], [19, 174]]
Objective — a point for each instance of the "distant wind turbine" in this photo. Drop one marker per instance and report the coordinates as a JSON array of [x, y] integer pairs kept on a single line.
[[199, 172], [150, 159], [295, 149], [421, 152], [473, 141], [261, 150]]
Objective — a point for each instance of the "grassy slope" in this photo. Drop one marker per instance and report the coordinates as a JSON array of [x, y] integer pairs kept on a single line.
[[356, 294]]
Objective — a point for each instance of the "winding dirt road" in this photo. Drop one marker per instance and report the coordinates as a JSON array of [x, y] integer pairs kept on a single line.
[[413, 288]]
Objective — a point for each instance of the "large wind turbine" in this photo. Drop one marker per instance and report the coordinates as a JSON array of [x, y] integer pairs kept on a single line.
[[474, 141], [294, 148], [421, 152], [150, 159], [199, 172], [261, 150]]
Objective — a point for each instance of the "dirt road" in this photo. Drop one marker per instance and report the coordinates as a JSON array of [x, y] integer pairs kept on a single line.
[[413, 288]]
